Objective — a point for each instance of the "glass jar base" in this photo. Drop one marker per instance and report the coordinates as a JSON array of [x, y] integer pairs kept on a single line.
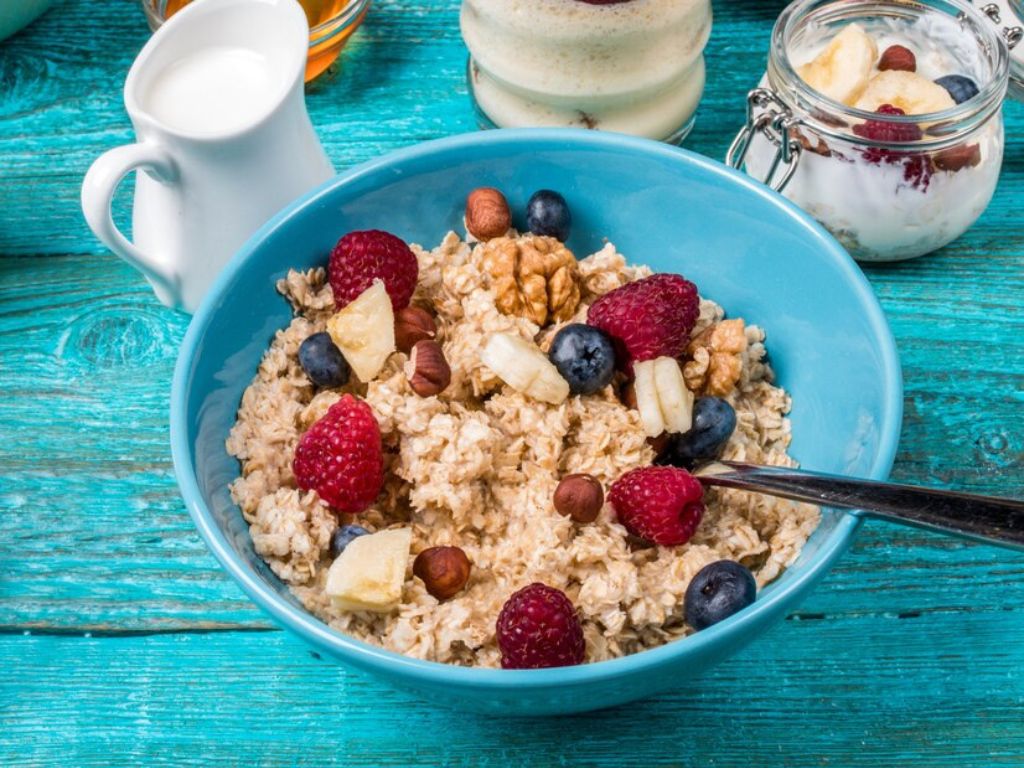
[[585, 122]]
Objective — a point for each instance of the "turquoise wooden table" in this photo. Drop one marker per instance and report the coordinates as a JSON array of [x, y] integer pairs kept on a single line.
[[122, 641]]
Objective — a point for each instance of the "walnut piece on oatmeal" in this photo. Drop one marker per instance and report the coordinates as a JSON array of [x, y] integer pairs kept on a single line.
[[532, 276], [716, 358]]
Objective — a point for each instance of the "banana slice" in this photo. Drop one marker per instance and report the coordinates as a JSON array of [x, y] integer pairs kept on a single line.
[[524, 367], [369, 573], [911, 92], [364, 331], [662, 397], [675, 399], [647, 404], [843, 69]]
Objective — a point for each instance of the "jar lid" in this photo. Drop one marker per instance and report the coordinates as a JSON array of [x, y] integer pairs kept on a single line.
[[1008, 15]]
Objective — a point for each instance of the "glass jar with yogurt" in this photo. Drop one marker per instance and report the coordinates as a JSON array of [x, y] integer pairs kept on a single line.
[[633, 66], [882, 119]]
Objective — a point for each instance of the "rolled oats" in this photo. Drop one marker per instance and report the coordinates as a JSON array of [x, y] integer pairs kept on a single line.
[[476, 466]]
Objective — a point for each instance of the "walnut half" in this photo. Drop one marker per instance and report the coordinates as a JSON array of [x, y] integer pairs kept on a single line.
[[533, 277], [716, 358]]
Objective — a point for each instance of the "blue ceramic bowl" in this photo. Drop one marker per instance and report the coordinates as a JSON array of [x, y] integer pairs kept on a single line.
[[743, 245]]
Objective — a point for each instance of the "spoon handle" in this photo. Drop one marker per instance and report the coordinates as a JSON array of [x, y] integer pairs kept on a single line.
[[985, 518]]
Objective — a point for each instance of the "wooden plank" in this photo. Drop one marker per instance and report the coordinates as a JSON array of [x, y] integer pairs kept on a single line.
[[860, 691]]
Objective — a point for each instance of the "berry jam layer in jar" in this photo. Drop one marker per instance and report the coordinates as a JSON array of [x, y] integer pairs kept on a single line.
[[897, 111], [634, 66]]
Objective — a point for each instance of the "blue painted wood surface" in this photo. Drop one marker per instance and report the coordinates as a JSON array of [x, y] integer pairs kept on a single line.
[[121, 641]]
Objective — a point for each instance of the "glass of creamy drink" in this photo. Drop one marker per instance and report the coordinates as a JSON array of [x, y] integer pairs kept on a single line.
[[632, 66]]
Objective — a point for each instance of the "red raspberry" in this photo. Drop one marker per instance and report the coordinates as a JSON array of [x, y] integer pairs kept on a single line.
[[659, 504], [361, 257], [889, 132], [647, 318], [538, 627], [340, 456], [917, 167]]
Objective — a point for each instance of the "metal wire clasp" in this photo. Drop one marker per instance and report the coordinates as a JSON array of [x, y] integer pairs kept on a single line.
[[769, 116], [1012, 35]]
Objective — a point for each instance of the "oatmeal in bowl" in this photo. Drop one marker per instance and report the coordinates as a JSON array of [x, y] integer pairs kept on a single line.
[[479, 453]]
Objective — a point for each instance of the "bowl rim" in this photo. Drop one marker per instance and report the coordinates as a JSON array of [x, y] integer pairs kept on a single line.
[[389, 663]]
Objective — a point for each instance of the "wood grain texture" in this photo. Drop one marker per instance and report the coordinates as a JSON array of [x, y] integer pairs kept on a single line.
[[140, 649], [808, 694]]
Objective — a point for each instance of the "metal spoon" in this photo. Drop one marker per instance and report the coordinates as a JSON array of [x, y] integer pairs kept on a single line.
[[984, 518]]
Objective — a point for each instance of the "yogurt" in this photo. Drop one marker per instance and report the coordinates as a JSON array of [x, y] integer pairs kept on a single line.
[[635, 66], [885, 211]]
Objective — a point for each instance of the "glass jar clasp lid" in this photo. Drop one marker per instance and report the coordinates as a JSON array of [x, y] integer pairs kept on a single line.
[[1012, 35], [768, 116]]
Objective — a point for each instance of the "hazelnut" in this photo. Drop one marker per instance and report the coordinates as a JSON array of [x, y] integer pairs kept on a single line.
[[628, 395], [427, 369], [955, 158], [659, 443], [444, 570], [487, 213], [817, 146], [579, 497], [897, 57], [413, 324]]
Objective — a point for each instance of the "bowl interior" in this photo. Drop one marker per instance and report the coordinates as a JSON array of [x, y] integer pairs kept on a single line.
[[744, 246]]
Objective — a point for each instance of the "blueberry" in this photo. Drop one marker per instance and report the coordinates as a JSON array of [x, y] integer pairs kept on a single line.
[[960, 88], [323, 362], [718, 591], [585, 357], [547, 213], [344, 536], [713, 423]]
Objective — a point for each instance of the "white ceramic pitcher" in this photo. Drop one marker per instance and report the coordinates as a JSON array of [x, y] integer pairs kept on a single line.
[[212, 173]]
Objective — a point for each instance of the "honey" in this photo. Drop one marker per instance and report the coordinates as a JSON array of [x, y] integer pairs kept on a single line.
[[325, 43]]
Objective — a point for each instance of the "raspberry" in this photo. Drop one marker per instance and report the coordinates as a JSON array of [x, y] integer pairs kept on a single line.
[[647, 318], [340, 457], [361, 257], [917, 167], [888, 132], [659, 504], [538, 627]]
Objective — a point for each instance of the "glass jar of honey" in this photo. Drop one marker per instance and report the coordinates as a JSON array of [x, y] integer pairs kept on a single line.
[[331, 24]]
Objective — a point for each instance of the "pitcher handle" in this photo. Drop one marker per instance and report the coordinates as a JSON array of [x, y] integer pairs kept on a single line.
[[102, 180]]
